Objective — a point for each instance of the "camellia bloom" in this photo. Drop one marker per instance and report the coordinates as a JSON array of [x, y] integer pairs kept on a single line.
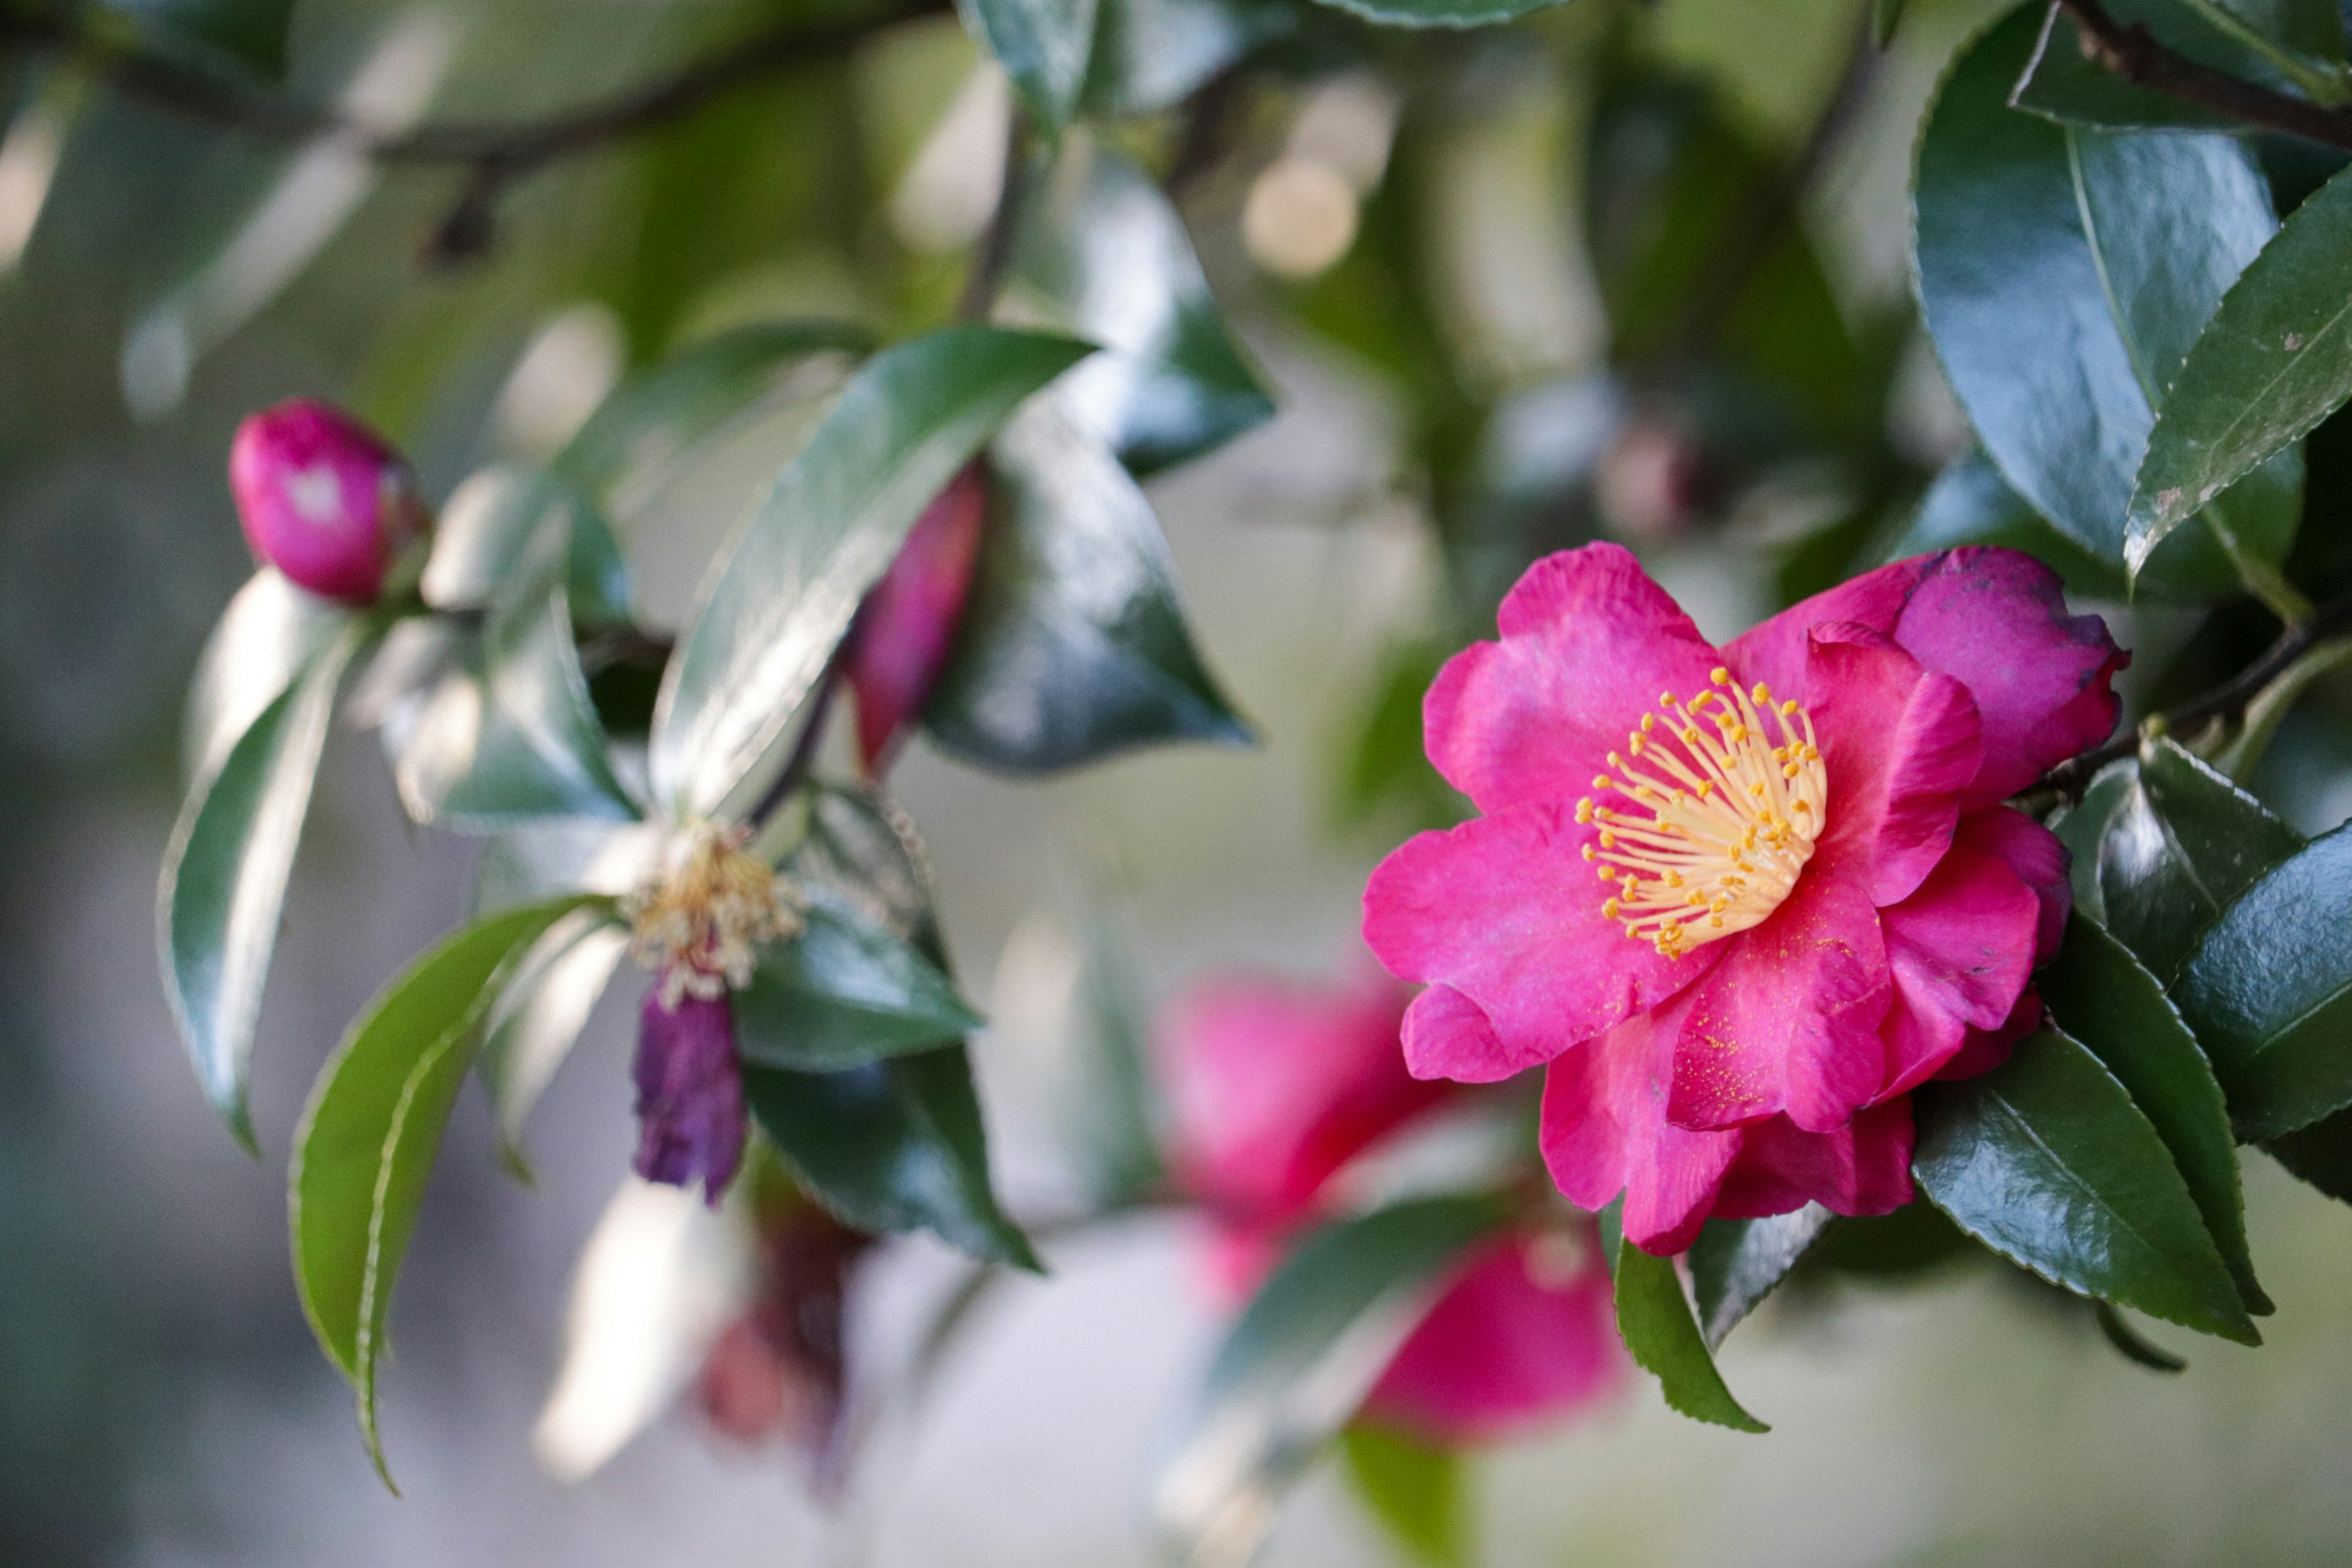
[[699, 929], [322, 500], [1742, 900], [908, 622], [1276, 1090]]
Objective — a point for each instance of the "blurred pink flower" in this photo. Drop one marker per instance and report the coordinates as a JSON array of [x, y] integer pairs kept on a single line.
[[322, 498], [1742, 902], [1274, 1088], [908, 621]]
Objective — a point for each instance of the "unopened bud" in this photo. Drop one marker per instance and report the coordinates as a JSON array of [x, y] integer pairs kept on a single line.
[[322, 498], [908, 621]]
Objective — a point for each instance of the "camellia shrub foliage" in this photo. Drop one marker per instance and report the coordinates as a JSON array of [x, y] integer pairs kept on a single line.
[[1889, 932]]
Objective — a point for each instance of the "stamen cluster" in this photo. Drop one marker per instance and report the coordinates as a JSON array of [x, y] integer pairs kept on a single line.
[[700, 926], [1720, 821]]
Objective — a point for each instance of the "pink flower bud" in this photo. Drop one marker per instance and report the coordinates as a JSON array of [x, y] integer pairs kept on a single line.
[[908, 621], [322, 498]]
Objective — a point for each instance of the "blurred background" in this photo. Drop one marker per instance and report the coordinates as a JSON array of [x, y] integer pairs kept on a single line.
[[1459, 270]]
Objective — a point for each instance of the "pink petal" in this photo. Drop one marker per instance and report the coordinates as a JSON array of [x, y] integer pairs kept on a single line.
[[1788, 1020], [909, 620], [1589, 645], [1900, 742], [1504, 912], [1605, 1131], [1273, 1086], [1996, 621], [1509, 1346], [1962, 948], [1986, 1049], [2040, 860], [1861, 1168]]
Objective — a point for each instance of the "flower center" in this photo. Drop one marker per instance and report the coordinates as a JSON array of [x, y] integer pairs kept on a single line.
[[699, 926], [1720, 820]]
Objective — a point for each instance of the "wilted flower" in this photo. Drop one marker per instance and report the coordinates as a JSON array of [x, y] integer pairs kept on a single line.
[[1742, 902], [908, 622], [1274, 1090], [689, 1093], [782, 1367], [323, 500]]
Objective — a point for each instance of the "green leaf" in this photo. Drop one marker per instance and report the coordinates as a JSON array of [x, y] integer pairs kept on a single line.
[[2061, 82], [1890, 1249], [2129, 1344], [1109, 1102], [784, 594], [223, 877], [1294, 1366], [538, 1018], [1736, 1263], [1101, 254], [248, 34], [894, 1145], [654, 414], [1654, 1319], [1044, 45], [1150, 54], [1970, 503], [1415, 1488], [367, 1143], [2101, 997], [844, 993], [2319, 1154], [1385, 772], [1072, 646], [2064, 274], [1440, 12], [2086, 823], [2276, 360], [263, 641], [1885, 20], [2269, 992], [497, 517], [2046, 1160], [2181, 844]]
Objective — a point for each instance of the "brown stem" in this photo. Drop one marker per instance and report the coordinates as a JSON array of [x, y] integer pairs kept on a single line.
[[2131, 52]]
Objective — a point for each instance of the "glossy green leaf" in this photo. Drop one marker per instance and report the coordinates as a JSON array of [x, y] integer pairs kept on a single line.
[[1654, 1319], [1102, 255], [1890, 1249], [1441, 13], [2086, 823], [2181, 844], [224, 872], [894, 1145], [1044, 45], [1970, 503], [1415, 1488], [1294, 1366], [268, 636], [368, 1136], [2047, 1161], [1150, 54], [539, 1016], [1736, 1263], [1073, 646], [2319, 1154], [785, 592], [2269, 992], [656, 414], [493, 519], [844, 993], [2276, 360], [2064, 274], [2100, 995]]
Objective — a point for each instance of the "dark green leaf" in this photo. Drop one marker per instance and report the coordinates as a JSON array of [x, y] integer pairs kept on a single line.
[[367, 1139], [1413, 1488], [224, 871], [2129, 1344], [1736, 1263], [539, 1016], [656, 414], [2182, 843], [1101, 254], [2046, 1160], [844, 993], [2276, 360], [2269, 992], [2320, 1154], [1293, 1369], [497, 517], [785, 595], [1654, 1319], [249, 35], [1044, 45], [2100, 995], [894, 1145], [2064, 274], [1889, 1248], [1150, 54], [2085, 824], [1072, 646], [1885, 19], [1386, 770], [1970, 503]]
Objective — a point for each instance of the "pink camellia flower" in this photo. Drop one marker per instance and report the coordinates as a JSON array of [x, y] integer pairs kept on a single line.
[[1742, 900], [322, 500], [908, 622], [1274, 1090]]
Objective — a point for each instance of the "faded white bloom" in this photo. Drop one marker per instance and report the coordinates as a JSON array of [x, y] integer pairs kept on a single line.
[[701, 924]]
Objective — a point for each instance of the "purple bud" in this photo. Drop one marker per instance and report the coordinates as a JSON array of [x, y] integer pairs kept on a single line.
[[689, 1093], [908, 621], [322, 500]]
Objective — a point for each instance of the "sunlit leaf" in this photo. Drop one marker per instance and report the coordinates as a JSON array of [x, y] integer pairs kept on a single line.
[[269, 631], [492, 522], [539, 1016], [1415, 1488]]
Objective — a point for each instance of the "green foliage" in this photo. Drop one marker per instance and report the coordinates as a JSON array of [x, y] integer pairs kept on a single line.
[[1655, 1318], [1415, 1488], [847, 991], [538, 1017], [1736, 1263]]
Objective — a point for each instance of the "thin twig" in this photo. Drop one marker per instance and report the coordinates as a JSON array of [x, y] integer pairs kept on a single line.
[[993, 250], [2133, 53]]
